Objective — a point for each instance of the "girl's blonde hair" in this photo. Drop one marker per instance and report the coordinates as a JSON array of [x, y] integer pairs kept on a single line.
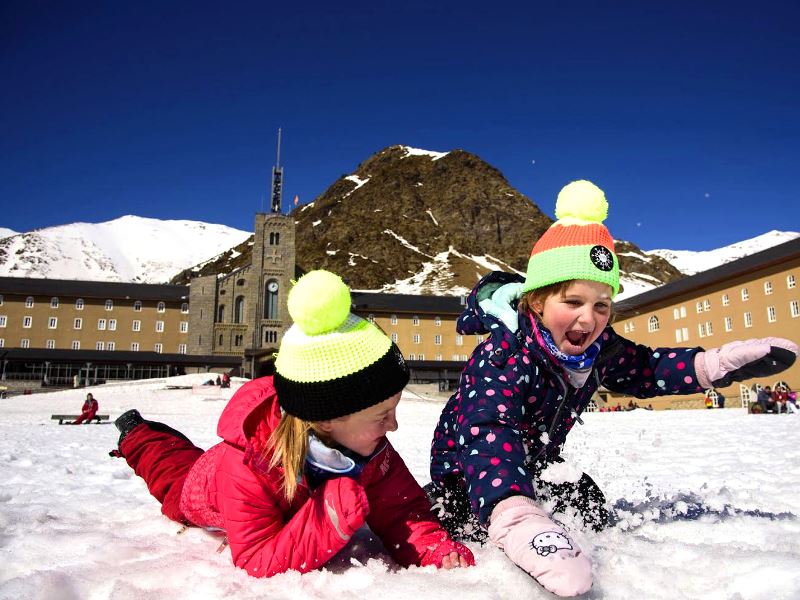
[[289, 446]]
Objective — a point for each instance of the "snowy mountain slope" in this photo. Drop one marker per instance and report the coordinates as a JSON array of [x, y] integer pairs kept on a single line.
[[129, 248], [690, 262], [5, 232]]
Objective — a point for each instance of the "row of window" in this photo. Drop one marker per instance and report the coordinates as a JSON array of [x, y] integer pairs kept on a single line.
[[79, 304], [76, 345], [461, 357], [705, 305], [437, 339], [705, 329], [437, 321], [102, 324]]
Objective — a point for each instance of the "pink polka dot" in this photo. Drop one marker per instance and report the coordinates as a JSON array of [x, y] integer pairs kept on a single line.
[[512, 361], [482, 475], [671, 355], [507, 447], [687, 379], [504, 344], [489, 346], [474, 430], [490, 437], [681, 366], [502, 378], [494, 461], [507, 393], [526, 360], [501, 407], [450, 443], [496, 482], [515, 487], [490, 392]]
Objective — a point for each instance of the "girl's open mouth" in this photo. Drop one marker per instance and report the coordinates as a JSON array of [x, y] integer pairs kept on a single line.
[[577, 338]]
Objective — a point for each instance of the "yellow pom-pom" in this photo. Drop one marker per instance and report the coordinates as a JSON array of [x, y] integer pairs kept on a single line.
[[319, 302], [582, 200]]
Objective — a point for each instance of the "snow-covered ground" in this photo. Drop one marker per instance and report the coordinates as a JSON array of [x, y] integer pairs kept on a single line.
[[711, 499]]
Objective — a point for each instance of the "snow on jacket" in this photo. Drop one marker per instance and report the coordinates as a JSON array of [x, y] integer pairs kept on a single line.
[[231, 487], [514, 405]]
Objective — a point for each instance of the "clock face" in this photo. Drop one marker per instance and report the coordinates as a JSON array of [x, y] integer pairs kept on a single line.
[[272, 286]]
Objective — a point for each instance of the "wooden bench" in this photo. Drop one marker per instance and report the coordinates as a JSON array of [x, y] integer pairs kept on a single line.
[[71, 418]]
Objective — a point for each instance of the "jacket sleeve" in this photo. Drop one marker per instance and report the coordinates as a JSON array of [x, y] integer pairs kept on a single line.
[[401, 516], [264, 543], [644, 373]]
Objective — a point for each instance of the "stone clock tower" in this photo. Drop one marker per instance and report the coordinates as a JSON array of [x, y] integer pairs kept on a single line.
[[244, 313]]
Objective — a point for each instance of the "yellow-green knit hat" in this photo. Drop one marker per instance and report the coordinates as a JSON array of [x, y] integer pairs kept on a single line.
[[332, 363], [577, 245]]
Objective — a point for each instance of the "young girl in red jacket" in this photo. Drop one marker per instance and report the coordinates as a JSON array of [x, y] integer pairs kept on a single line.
[[304, 461]]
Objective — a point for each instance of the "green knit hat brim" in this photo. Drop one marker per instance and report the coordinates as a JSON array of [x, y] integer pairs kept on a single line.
[[347, 349], [566, 263]]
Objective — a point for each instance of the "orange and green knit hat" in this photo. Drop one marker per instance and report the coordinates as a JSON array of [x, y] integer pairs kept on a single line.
[[332, 363], [577, 245]]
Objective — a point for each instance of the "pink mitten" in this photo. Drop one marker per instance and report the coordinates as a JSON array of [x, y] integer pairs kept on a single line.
[[539, 546], [742, 360]]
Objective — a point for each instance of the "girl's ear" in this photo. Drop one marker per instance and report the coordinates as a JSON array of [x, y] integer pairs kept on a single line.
[[322, 426]]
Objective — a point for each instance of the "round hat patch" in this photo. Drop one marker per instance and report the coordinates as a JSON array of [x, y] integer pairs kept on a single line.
[[602, 258]]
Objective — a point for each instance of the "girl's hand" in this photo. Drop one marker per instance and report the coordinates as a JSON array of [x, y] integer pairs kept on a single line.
[[454, 560]]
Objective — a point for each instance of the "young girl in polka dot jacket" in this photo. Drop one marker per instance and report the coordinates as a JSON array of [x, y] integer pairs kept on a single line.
[[549, 349]]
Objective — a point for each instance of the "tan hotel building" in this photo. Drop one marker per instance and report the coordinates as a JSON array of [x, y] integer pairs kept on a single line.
[[754, 297], [52, 329]]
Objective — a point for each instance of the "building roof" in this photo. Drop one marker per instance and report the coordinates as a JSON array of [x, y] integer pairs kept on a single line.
[[92, 289], [760, 260], [374, 302], [116, 357]]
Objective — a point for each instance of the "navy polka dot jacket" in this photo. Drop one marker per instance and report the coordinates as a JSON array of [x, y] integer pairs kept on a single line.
[[514, 405]]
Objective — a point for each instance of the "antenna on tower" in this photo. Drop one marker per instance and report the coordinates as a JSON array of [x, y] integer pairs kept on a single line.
[[277, 179]]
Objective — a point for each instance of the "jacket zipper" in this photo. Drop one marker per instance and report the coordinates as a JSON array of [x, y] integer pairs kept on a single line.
[[609, 352]]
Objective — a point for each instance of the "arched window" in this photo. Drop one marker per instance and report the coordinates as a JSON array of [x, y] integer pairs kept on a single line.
[[54, 302], [221, 313], [271, 299], [29, 302], [238, 309], [161, 307], [653, 324], [79, 304], [274, 238]]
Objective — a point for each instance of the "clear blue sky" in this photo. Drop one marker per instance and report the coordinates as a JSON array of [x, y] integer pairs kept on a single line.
[[686, 113]]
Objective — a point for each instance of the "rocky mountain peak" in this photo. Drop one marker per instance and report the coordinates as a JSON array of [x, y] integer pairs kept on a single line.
[[415, 221]]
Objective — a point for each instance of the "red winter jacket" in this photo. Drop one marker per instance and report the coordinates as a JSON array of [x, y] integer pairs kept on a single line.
[[231, 487]]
